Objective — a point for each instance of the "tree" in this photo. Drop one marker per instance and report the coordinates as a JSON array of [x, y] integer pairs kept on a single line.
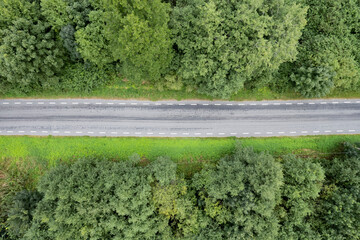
[[11, 10], [339, 209], [331, 39], [97, 199], [302, 185], [139, 36], [224, 44], [311, 81], [92, 42], [67, 34], [61, 13], [172, 199], [240, 194], [30, 55], [335, 54]]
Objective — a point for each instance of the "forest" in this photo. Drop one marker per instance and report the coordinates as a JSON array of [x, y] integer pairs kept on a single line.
[[244, 195], [212, 47]]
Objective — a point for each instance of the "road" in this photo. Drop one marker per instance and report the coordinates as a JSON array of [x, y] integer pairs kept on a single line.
[[94, 117]]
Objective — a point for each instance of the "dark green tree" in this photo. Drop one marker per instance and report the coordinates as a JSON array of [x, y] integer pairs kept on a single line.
[[240, 194], [311, 81], [95, 199], [21, 213], [339, 209], [61, 13], [224, 44], [302, 185], [30, 55], [67, 34]]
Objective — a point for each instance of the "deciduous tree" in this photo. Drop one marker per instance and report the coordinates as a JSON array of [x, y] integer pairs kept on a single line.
[[240, 194], [224, 44]]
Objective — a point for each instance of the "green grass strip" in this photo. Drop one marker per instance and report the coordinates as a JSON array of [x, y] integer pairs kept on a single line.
[[42, 153], [52, 148]]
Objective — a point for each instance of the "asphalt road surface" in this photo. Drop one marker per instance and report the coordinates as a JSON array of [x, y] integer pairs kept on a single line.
[[94, 117]]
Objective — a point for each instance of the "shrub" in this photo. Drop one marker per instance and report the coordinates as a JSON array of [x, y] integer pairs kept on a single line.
[[13, 178], [21, 213], [351, 149], [313, 81], [67, 35], [83, 78]]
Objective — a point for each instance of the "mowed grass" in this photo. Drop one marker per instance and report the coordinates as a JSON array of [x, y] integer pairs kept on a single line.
[[51, 150]]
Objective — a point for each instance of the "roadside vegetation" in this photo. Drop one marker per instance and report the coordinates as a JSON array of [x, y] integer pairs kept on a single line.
[[179, 49], [243, 192]]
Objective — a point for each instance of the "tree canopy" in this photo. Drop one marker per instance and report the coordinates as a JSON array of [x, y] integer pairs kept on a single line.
[[30, 54], [224, 44]]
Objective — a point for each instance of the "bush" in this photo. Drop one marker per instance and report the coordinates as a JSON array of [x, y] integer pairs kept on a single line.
[[13, 178], [351, 149], [67, 35], [21, 213], [83, 78], [311, 81]]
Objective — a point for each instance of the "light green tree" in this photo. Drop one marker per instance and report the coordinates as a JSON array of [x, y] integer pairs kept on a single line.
[[224, 44]]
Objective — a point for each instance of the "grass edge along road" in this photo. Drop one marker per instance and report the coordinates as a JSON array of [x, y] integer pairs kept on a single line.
[[42, 153], [121, 90]]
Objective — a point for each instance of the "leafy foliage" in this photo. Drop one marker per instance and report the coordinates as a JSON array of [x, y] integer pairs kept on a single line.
[[339, 211], [21, 213], [224, 44], [139, 36], [351, 149], [247, 195], [331, 40], [67, 35], [83, 78], [302, 185], [95, 199], [247, 179], [60, 13], [30, 55], [313, 81], [13, 178], [93, 45]]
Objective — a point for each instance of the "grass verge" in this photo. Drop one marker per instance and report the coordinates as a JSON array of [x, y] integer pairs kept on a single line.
[[42, 153], [118, 89]]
